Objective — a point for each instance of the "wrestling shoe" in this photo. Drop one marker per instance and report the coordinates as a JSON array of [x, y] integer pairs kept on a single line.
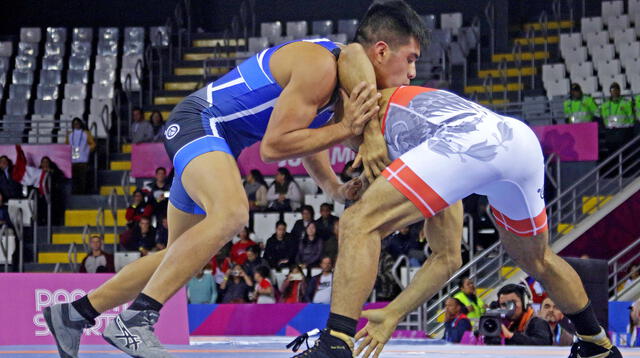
[[66, 325], [330, 344], [598, 346], [132, 333]]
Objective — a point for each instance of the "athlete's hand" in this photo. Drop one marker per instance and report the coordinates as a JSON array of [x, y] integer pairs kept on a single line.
[[359, 107], [351, 190], [374, 157], [376, 333]]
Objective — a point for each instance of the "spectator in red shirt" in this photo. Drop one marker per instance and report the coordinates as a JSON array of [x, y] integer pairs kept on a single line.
[[139, 207], [294, 287], [239, 249], [264, 292]]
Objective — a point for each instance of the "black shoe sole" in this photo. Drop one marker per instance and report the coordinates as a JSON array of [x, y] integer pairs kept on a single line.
[[47, 317]]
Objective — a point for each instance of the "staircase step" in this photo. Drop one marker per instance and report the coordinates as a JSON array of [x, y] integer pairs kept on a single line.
[[38, 267], [88, 217], [510, 72], [495, 88], [537, 40], [493, 102], [58, 257], [120, 156], [180, 86], [126, 148], [200, 56], [195, 71], [120, 165], [184, 78], [565, 228], [591, 204], [68, 238], [218, 42], [551, 25], [105, 190], [110, 177], [167, 100], [85, 201], [508, 271], [525, 56]]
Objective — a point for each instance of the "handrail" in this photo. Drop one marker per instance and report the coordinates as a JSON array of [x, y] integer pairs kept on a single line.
[[94, 129], [85, 237], [138, 72], [543, 20], [475, 24], [624, 252], [148, 55], [555, 181], [106, 125], [32, 201], [100, 221], [488, 88], [124, 184], [394, 270], [113, 207], [490, 14], [471, 239], [4, 248], [72, 256], [127, 91], [617, 268], [47, 198]]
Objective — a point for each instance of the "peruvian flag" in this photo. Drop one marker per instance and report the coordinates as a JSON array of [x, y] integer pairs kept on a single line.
[[23, 173]]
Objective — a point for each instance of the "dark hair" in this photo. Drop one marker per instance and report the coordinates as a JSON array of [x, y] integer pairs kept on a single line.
[[263, 271], [159, 113], [258, 177], [391, 21], [161, 168], [517, 289], [255, 249], [463, 308], [614, 85], [287, 174], [136, 109], [287, 291], [9, 163], [326, 205], [281, 222], [78, 119], [305, 237], [310, 209]]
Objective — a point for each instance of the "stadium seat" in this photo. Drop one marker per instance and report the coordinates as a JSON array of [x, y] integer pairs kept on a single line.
[[290, 219], [589, 84], [135, 83], [101, 91], [81, 48], [106, 63], [617, 23], [122, 259], [21, 92], [429, 21], [82, 34], [634, 80], [6, 48], [451, 21], [133, 48], [45, 108], [322, 27], [25, 63], [73, 107], [130, 61], [17, 107], [570, 41], [603, 52], [56, 34], [348, 27], [605, 82], [108, 48], [77, 76], [595, 39], [575, 55], [307, 185], [22, 77], [551, 72], [47, 92], [339, 38], [264, 224], [134, 34], [534, 107], [159, 36], [75, 91], [297, 29], [104, 76], [30, 34], [52, 63], [634, 9], [623, 37], [106, 34], [631, 65], [81, 63], [15, 124], [580, 70], [28, 49], [471, 36], [608, 68], [4, 64], [97, 105], [54, 49], [338, 208], [559, 87], [590, 25], [271, 30], [50, 77], [611, 9], [257, 44]]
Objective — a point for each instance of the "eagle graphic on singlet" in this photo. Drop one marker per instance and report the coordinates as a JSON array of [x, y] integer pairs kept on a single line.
[[447, 123]]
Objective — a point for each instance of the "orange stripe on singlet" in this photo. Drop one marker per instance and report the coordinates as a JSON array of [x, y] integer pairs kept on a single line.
[[402, 96]]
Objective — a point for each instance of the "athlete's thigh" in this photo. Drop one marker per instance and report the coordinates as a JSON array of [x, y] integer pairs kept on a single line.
[[444, 230], [179, 222], [524, 249], [382, 208]]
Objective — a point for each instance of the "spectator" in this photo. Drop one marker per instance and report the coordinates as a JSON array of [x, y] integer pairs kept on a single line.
[[51, 172], [310, 248], [523, 328], [9, 188], [349, 172], [239, 249], [236, 286], [141, 131], [143, 237], [202, 288], [616, 112], [456, 321], [404, 243], [159, 190], [221, 263], [326, 221], [579, 107], [256, 189], [263, 291], [330, 245], [82, 144], [4, 213], [294, 287], [281, 248], [467, 295], [162, 234], [319, 289], [138, 209], [157, 126], [284, 194], [552, 314], [308, 215], [97, 260], [253, 260]]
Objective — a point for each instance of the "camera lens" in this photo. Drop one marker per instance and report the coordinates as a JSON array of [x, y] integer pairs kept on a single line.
[[490, 325]]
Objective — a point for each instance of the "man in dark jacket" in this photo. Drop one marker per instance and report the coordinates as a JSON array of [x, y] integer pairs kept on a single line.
[[456, 321], [281, 249], [524, 328], [326, 221], [319, 286]]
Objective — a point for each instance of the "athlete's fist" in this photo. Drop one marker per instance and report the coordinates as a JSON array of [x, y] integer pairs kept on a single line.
[[359, 107], [376, 333], [351, 190]]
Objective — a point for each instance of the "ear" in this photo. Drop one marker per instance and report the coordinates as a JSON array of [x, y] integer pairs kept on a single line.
[[381, 50]]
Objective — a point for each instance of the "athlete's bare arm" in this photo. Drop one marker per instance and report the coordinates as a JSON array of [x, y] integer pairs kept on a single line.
[[308, 75]]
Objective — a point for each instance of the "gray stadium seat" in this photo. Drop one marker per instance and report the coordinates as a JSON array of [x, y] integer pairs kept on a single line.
[[617, 23], [608, 68], [6, 48], [52, 63], [589, 84], [340, 38], [133, 34], [581, 70], [348, 27], [634, 9], [30, 34], [75, 91], [4, 64], [56, 34], [3, 81], [590, 24], [629, 51], [551, 72], [451, 21], [570, 41], [559, 87], [45, 107], [77, 76], [104, 76], [54, 48], [634, 80], [603, 52], [108, 34], [100, 91], [97, 105], [429, 21], [17, 107], [79, 63], [14, 123], [605, 82], [135, 84], [534, 107], [106, 63], [130, 61], [575, 55], [84, 34], [25, 62], [257, 44], [297, 29], [457, 54], [271, 30], [133, 48], [108, 48], [595, 39], [623, 37], [28, 49], [441, 36], [22, 77], [471, 36], [611, 9], [47, 92], [73, 107], [22, 92], [159, 36], [50, 77], [81, 48], [322, 27]]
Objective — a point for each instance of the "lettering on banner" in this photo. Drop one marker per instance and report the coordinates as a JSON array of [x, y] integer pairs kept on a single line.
[[337, 155], [45, 298]]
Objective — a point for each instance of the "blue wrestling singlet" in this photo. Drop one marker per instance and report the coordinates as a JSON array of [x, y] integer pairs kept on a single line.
[[227, 115]]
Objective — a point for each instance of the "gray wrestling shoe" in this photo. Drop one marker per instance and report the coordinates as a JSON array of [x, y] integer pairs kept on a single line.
[[66, 325], [132, 333]]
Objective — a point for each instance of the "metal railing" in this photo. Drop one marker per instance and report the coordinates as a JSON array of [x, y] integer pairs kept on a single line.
[[4, 246], [112, 204], [93, 128], [490, 15], [72, 258], [32, 201], [619, 271]]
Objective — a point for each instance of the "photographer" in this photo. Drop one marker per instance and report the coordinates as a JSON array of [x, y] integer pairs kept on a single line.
[[236, 286], [522, 327]]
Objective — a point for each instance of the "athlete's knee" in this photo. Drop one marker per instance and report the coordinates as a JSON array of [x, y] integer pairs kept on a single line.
[[236, 219], [354, 223], [536, 263]]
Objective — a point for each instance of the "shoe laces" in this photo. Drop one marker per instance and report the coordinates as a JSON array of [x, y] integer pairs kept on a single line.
[[149, 318], [304, 338]]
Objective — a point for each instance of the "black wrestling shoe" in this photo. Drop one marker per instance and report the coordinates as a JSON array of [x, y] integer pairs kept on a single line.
[[330, 344], [582, 349]]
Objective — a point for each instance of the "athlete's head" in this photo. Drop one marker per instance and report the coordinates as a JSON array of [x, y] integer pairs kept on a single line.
[[392, 35]]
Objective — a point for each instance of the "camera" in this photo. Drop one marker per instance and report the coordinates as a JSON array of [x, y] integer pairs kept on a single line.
[[491, 322]]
